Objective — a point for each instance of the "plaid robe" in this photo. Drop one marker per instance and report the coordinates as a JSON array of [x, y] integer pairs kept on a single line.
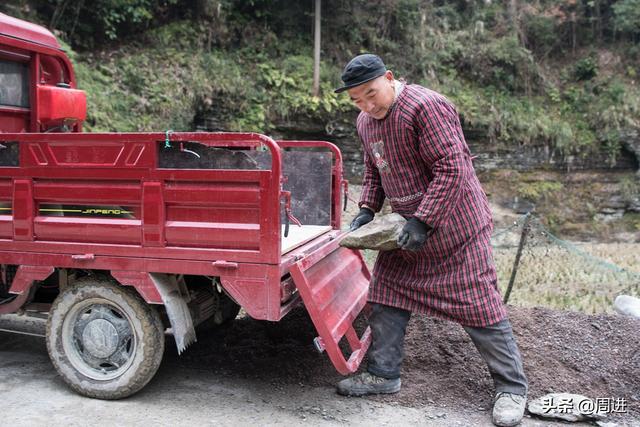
[[417, 158]]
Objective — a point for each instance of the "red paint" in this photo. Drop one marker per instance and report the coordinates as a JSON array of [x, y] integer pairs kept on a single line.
[[27, 31], [333, 283], [48, 66], [222, 223], [23, 209], [58, 104], [153, 217], [21, 285]]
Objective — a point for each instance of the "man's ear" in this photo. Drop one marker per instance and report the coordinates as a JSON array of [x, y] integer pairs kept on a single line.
[[388, 75]]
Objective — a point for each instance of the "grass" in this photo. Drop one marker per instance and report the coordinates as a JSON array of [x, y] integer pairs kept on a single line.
[[550, 275], [167, 81]]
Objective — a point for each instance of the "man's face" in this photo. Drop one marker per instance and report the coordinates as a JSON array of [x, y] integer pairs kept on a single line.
[[374, 97]]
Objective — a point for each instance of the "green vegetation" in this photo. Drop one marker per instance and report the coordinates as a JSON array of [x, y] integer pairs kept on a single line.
[[161, 86], [534, 191], [627, 17], [558, 73]]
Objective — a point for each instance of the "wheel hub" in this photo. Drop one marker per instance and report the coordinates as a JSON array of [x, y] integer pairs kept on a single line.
[[100, 338], [100, 341]]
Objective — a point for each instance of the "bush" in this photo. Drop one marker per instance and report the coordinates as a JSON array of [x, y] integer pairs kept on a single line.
[[251, 61], [585, 69], [166, 84], [537, 190], [501, 63], [540, 33], [627, 16], [87, 24]]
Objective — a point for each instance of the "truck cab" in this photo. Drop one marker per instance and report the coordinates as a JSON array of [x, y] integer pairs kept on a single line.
[[38, 91]]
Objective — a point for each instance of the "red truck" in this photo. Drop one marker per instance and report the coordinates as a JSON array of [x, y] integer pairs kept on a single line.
[[114, 239]]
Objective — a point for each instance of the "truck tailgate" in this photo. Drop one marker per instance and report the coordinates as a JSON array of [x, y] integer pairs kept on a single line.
[[333, 283]]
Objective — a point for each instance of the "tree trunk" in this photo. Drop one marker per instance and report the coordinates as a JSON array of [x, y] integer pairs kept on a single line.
[[316, 51], [598, 22], [513, 17], [57, 13], [574, 37]]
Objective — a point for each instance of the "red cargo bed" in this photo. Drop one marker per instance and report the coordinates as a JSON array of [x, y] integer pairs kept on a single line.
[[135, 204]]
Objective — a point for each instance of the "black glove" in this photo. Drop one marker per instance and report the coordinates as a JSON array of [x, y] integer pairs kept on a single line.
[[364, 216], [413, 234]]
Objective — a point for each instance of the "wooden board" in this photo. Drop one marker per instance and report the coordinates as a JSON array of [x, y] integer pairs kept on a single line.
[[300, 235]]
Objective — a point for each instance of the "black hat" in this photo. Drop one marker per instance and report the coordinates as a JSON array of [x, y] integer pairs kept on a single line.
[[360, 70]]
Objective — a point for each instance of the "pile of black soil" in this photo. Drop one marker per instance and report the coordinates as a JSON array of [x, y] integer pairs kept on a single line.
[[597, 356]]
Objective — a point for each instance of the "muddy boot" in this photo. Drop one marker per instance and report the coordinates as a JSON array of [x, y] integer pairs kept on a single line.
[[508, 409], [366, 383]]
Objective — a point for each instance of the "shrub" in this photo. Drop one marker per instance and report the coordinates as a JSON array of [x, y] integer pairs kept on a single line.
[[585, 69], [627, 16]]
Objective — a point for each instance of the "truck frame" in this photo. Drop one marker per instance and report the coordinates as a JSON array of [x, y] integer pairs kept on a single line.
[[116, 238]]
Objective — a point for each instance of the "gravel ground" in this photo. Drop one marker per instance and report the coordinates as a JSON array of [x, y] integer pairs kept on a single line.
[[262, 373]]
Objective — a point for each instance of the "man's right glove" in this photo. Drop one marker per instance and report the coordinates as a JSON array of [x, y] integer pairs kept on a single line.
[[413, 235], [364, 216]]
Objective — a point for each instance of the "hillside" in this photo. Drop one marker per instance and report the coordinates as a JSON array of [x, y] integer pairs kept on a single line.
[[545, 86]]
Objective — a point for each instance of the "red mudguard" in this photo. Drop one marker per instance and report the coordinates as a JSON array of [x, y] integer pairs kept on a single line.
[[333, 283]]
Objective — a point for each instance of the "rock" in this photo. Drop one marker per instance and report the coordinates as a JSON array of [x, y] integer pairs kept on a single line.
[[565, 406], [628, 305], [631, 141], [522, 206], [381, 234]]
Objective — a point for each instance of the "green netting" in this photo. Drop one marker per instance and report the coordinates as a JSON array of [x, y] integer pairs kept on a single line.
[[566, 275]]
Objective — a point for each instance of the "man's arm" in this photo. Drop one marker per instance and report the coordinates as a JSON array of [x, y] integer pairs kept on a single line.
[[443, 148], [372, 196]]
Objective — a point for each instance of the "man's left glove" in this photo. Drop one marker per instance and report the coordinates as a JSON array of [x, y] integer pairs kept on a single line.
[[365, 216], [413, 235]]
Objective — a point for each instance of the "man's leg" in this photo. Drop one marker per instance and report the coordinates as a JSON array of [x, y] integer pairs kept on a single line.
[[498, 348], [388, 327]]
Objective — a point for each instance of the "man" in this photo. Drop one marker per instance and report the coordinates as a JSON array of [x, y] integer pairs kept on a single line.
[[416, 157]]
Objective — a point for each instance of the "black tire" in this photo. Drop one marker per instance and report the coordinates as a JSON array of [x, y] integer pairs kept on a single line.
[[103, 339]]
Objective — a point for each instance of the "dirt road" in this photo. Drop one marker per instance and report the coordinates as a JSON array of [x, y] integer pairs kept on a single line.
[[33, 394], [253, 382]]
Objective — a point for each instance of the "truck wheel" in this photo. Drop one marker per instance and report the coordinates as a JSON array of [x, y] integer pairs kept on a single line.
[[103, 339]]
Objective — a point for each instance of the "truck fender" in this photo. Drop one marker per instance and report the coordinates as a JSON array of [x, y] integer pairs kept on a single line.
[[163, 288], [177, 309], [22, 285]]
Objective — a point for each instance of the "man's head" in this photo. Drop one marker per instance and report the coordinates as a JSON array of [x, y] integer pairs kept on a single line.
[[369, 84]]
